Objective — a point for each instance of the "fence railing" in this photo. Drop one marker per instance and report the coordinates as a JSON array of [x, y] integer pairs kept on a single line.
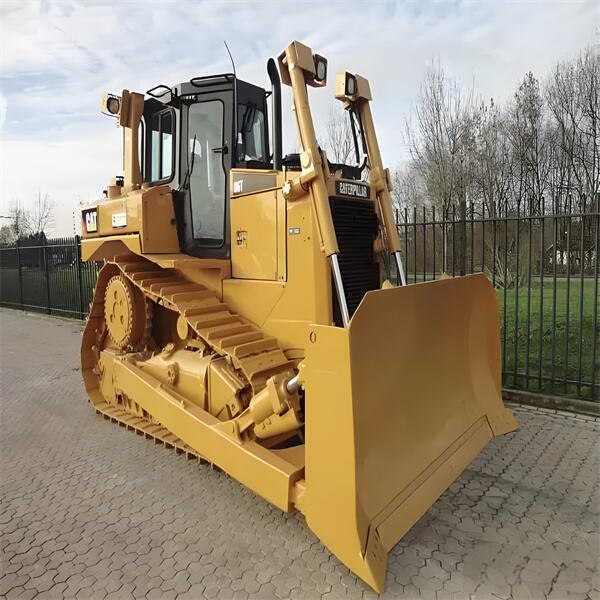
[[47, 275], [545, 270]]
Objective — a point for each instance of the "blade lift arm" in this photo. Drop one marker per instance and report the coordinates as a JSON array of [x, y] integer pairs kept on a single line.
[[355, 93], [297, 66]]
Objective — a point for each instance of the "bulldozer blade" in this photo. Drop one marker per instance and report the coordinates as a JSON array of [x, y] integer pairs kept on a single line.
[[397, 406]]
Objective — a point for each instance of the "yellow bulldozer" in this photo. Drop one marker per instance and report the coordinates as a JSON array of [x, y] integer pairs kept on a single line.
[[245, 312]]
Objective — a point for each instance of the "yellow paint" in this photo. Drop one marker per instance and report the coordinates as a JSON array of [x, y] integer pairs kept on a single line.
[[254, 236], [254, 299], [382, 420], [148, 213]]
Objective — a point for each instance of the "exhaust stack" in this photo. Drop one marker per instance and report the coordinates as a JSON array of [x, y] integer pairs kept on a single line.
[[276, 94]]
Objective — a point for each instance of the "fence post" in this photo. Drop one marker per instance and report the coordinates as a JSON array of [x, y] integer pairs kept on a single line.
[[463, 236], [595, 304], [20, 275], [433, 237], [399, 234], [79, 277], [46, 271]]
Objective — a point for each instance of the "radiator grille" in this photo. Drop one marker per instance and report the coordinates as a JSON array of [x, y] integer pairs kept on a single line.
[[356, 227]]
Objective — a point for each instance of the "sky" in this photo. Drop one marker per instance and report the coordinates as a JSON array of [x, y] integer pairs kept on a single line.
[[56, 59]]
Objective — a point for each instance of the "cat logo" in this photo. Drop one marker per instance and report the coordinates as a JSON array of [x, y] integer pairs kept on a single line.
[[91, 221], [350, 188]]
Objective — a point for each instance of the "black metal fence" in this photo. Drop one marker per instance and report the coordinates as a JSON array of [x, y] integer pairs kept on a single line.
[[545, 270], [47, 275], [543, 266]]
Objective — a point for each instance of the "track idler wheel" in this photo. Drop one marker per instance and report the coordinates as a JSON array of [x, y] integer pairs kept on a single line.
[[125, 312]]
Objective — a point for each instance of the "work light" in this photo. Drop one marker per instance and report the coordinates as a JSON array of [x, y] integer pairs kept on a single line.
[[320, 68], [350, 87], [111, 104]]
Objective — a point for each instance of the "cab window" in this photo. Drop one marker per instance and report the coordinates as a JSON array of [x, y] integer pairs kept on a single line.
[[206, 147], [161, 142], [251, 133]]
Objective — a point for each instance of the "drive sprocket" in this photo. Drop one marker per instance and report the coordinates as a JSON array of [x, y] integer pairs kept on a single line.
[[127, 317]]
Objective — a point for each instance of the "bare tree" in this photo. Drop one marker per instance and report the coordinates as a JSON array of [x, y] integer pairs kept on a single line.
[[6, 235], [439, 140], [35, 221], [572, 94], [528, 132], [41, 217], [442, 147], [19, 220], [339, 142], [407, 187], [543, 144], [490, 160]]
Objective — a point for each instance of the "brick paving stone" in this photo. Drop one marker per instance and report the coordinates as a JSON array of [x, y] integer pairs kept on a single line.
[[90, 510], [11, 581], [24, 593], [492, 590]]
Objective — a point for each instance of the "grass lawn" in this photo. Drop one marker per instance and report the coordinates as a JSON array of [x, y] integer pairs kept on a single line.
[[573, 342], [566, 357]]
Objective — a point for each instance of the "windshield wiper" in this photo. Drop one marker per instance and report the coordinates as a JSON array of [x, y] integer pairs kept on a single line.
[[186, 180]]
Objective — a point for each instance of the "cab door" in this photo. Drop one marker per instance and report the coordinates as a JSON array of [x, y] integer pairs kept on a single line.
[[206, 151]]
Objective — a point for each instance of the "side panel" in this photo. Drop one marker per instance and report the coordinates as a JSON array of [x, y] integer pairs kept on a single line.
[[116, 216], [148, 212], [301, 293], [159, 232], [254, 236]]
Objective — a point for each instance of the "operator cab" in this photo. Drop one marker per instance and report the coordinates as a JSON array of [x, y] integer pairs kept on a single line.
[[191, 137], [188, 143]]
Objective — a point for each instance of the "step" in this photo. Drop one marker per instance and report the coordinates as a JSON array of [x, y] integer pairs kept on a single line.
[[211, 320], [160, 285], [137, 267], [240, 338], [146, 282], [265, 345], [183, 286], [194, 295], [198, 309], [155, 275], [221, 332]]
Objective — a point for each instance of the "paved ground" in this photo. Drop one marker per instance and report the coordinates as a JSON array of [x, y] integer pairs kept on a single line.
[[91, 510]]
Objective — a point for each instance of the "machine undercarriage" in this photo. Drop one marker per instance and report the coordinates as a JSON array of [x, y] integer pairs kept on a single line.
[[180, 333]]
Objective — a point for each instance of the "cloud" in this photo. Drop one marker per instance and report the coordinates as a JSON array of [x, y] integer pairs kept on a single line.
[[70, 172], [56, 58]]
